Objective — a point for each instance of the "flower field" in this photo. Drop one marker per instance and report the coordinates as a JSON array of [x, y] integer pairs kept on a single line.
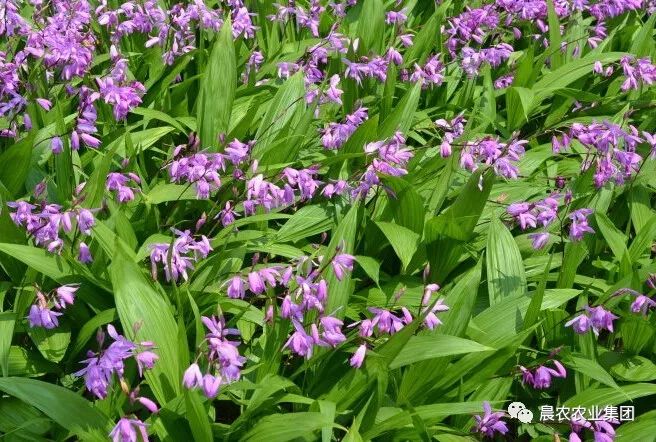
[[344, 220]]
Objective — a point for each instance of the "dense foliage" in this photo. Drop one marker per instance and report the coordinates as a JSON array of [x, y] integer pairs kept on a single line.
[[346, 220]]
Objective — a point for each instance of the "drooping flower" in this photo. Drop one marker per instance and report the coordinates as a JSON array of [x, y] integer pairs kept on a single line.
[[358, 357], [127, 430], [541, 376], [491, 422]]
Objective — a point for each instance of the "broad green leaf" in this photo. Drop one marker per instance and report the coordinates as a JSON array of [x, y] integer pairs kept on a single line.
[[68, 409], [370, 266], [286, 427], [634, 369], [431, 345], [519, 105], [404, 241], [611, 396], [506, 276], [53, 266], [308, 221], [345, 234], [139, 304], [197, 416], [283, 108], [589, 368], [643, 428], [371, 25], [401, 117], [218, 86]]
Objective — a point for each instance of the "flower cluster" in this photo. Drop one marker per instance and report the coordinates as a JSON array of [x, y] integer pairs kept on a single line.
[[202, 168], [595, 318], [391, 158], [223, 359], [609, 147], [386, 322], [178, 257], [602, 429], [452, 130], [540, 377], [117, 91], [119, 183], [44, 312], [501, 157], [543, 213], [102, 366], [172, 30], [334, 135], [46, 222]]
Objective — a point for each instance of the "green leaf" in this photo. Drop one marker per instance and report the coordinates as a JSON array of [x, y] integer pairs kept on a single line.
[[370, 266], [218, 85], [404, 241], [406, 204], [643, 240], [401, 117], [285, 107], [139, 304], [371, 25], [288, 426], [590, 368], [447, 233], [15, 164], [634, 369], [51, 343], [308, 221], [163, 193], [197, 417], [643, 428], [568, 74], [611, 396], [506, 276], [429, 346], [63, 406], [53, 266], [519, 105], [345, 234]]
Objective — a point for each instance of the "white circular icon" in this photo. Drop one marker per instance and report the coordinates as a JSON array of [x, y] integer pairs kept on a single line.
[[514, 408], [525, 416]]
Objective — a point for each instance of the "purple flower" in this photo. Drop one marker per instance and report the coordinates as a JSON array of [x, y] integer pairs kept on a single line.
[[540, 379], [396, 18], [210, 385], [84, 254], [579, 225], [642, 304], [65, 295], [300, 342], [256, 283], [56, 145], [490, 422], [601, 318], [332, 330], [358, 357], [40, 316], [342, 263], [539, 240], [101, 367], [236, 288], [192, 377], [431, 321], [580, 324], [126, 430]]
